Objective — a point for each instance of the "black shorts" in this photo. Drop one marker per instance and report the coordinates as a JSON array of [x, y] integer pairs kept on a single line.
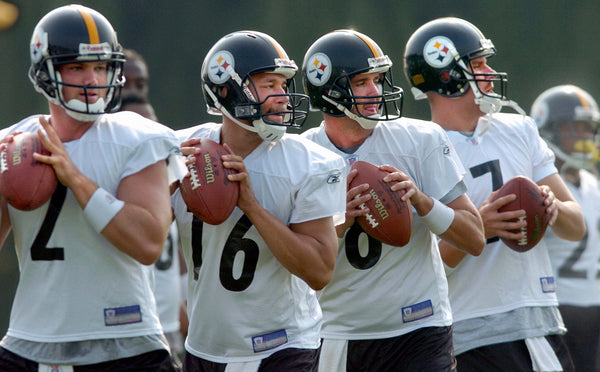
[[297, 360], [583, 335], [153, 361], [510, 356], [425, 349]]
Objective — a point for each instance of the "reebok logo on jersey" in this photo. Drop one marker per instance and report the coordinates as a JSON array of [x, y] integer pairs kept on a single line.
[[334, 178]]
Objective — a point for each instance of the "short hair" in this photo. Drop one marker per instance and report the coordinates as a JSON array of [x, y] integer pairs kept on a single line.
[[133, 55]]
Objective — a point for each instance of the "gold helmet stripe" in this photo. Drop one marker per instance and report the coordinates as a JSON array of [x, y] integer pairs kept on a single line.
[[91, 26], [370, 43], [278, 47]]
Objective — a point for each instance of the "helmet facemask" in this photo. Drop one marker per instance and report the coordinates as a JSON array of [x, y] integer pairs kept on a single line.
[[389, 100], [76, 34], [585, 153], [249, 107]]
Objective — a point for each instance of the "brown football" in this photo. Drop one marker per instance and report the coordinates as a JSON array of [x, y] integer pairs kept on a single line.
[[530, 199], [207, 192], [390, 218], [26, 183]]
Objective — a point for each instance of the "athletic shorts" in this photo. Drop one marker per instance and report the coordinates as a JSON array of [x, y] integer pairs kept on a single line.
[[291, 359], [154, 361], [425, 349], [510, 356], [583, 335]]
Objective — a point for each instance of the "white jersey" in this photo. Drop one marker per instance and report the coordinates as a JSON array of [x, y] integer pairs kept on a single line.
[[377, 290], [243, 305], [500, 280], [576, 264], [167, 283], [74, 284]]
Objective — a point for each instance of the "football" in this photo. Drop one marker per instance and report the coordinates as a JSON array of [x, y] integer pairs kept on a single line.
[[26, 183], [530, 199], [390, 218], [207, 192]]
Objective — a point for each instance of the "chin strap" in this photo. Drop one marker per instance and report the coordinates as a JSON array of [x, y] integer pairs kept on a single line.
[[267, 132], [364, 122]]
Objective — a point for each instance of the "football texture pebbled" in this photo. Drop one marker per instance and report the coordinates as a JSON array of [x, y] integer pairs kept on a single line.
[[207, 192], [26, 183], [390, 218], [530, 199]]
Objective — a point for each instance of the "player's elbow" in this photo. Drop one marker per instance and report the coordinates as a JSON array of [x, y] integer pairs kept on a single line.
[[318, 283]]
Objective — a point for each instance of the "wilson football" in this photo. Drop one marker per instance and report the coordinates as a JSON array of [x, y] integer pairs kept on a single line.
[[530, 199], [390, 218], [207, 192], [26, 183]]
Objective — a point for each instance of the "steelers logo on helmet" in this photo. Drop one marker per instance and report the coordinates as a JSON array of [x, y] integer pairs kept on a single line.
[[539, 113], [438, 51], [218, 65], [39, 45], [318, 69]]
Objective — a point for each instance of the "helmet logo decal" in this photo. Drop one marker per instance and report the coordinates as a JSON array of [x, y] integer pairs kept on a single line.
[[217, 66], [438, 51], [318, 69], [39, 45]]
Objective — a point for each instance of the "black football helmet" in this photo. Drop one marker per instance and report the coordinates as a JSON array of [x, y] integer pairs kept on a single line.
[[568, 104], [231, 62], [333, 60], [437, 58], [75, 33]]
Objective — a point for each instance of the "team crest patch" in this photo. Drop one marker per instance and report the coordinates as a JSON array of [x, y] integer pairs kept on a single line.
[[122, 315], [269, 341], [318, 69], [417, 311], [218, 65], [548, 284], [39, 45], [438, 51]]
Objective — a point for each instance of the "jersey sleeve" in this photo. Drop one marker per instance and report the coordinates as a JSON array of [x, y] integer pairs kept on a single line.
[[444, 170], [541, 155], [323, 192]]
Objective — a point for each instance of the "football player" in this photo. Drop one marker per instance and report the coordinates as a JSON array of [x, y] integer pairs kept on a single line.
[[386, 308], [504, 303], [252, 279], [84, 298], [568, 119]]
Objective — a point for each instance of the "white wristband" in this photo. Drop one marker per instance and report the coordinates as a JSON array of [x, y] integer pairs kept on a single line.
[[101, 208], [439, 218]]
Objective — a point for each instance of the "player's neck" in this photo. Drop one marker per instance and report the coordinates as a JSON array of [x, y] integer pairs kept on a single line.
[[67, 127], [241, 141], [344, 132]]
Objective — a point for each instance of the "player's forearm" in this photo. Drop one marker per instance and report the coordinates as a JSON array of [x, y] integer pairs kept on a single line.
[[137, 233], [466, 232], [301, 254], [569, 224]]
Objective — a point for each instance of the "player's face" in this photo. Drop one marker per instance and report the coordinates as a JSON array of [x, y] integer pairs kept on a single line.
[[576, 137], [480, 66], [367, 85], [136, 78], [88, 74], [273, 88]]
